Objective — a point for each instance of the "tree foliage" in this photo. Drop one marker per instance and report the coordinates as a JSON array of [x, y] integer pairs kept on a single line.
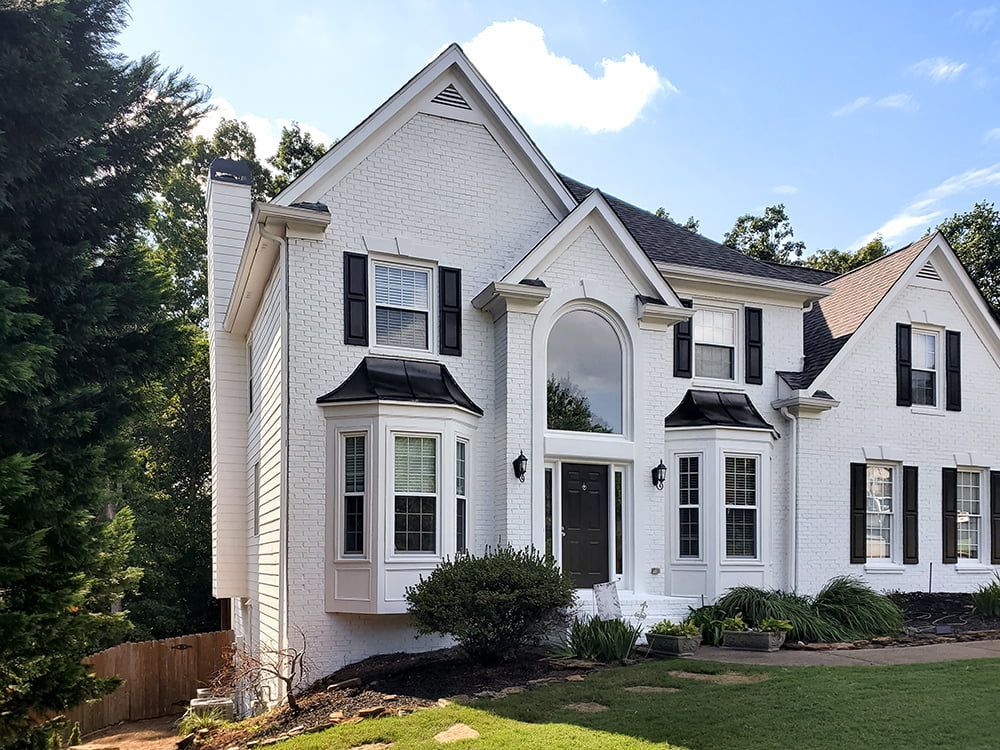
[[691, 224], [842, 261], [568, 408], [975, 237], [767, 237], [84, 134], [297, 151]]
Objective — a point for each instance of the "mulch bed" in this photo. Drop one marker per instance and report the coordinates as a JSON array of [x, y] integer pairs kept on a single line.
[[396, 684]]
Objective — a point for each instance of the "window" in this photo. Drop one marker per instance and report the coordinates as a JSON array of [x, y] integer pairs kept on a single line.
[[415, 494], [619, 518], [460, 497], [584, 386], [969, 515], [689, 489], [354, 495], [249, 376], [879, 524], [715, 344], [741, 506], [402, 306], [256, 498], [548, 512], [924, 370]]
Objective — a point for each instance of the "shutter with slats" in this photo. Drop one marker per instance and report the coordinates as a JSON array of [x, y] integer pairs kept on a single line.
[[995, 518], [953, 370], [754, 335], [859, 510], [682, 346], [904, 364], [910, 524], [949, 514], [355, 299], [450, 310]]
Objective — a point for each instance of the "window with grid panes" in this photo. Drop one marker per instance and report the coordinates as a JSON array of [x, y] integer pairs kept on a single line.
[[354, 495], [741, 506], [415, 500], [689, 497]]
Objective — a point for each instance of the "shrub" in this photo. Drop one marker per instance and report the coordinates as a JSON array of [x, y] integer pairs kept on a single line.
[[854, 607], [708, 619], [493, 605], [602, 640], [770, 625], [759, 604], [684, 629], [986, 599], [734, 623], [192, 722]]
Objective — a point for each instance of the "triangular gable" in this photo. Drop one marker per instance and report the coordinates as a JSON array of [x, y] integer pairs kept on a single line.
[[595, 212], [964, 290], [449, 86]]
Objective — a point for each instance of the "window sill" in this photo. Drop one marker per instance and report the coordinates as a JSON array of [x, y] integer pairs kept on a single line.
[[973, 569], [717, 385], [929, 411], [397, 352], [885, 568]]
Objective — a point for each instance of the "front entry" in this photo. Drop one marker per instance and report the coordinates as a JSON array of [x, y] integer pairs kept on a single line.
[[585, 523]]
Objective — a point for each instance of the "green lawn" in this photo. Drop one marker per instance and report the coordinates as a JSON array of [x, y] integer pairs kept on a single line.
[[930, 706]]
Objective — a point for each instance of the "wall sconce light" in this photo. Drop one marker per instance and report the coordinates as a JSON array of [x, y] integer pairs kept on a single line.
[[520, 466], [659, 475]]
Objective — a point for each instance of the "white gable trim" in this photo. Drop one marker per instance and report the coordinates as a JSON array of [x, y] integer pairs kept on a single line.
[[595, 213], [963, 289], [450, 68]]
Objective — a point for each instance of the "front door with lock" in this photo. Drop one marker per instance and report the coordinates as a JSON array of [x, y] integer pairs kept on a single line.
[[585, 523]]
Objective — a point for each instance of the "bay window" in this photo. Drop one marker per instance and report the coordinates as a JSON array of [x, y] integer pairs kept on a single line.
[[741, 496], [689, 497], [415, 493], [461, 511], [354, 495]]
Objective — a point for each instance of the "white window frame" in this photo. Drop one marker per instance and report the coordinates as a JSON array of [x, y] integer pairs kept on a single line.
[[757, 507], [919, 330], [437, 495], [614, 527], [699, 506], [464, 496], [895, 515], [735, 311], [983, 478], [342, 495], [426, 268]]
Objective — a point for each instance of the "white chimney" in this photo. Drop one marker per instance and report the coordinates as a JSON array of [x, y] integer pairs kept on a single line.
[[229, 208]]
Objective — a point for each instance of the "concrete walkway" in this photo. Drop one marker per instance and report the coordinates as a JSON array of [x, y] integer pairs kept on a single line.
[[856, 657]]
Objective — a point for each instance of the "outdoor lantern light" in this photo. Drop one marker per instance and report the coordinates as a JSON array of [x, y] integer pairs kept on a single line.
[[659, 475], [520, 466]]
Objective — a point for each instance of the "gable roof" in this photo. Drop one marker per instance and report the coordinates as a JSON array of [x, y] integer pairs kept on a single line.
[[666, 242], [833, 320]]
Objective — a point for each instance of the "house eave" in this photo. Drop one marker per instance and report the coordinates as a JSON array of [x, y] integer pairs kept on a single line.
[[501, 296], [738, 281], [805, 406]]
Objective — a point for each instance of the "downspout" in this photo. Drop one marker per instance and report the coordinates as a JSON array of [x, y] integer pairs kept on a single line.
[[793, 501], [283, 531]]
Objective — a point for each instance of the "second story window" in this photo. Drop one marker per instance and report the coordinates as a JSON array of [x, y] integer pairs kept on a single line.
[[402, 306], [715, 344], [924, 375]]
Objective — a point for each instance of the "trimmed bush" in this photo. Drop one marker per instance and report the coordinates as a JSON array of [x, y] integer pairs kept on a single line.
[[494, 605], [986, 600], [602, 640]]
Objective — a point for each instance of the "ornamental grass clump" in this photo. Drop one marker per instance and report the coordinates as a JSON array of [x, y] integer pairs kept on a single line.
[[602, 640], [855, 608], [986, 600], [494, 605]]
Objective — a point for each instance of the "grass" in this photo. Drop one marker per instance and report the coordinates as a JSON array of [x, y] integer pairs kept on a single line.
[[920, 707]]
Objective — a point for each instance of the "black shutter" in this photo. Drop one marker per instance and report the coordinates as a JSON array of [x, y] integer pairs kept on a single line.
[[682, 346], [754, 335], [904, 361], [859, 513], [953, 369], [355, 299], [995, 518], [949, 514], [910, 494], [450, 310]]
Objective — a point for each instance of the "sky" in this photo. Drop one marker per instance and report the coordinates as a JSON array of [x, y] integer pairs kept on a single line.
[[862, 118]]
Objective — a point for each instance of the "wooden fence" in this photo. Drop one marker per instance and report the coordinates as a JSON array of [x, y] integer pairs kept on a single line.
[[160, 677]]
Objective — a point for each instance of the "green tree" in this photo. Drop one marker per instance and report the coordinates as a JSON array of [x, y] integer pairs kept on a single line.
[[297, 151], [691, 224], [768, 237], [842, 261], [569, 408], [84, 134], [975, 236]]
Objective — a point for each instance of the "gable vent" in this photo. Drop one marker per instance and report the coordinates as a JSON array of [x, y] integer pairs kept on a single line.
[[450, 97], [928, 272]]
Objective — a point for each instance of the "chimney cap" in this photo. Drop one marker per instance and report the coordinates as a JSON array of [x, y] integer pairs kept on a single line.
[[235, 171]]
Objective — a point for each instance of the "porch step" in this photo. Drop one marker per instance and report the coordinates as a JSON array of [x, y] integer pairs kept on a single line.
[[657, 607]]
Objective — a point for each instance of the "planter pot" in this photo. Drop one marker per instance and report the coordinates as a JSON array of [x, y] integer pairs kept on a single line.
[[747, 640], [672, 645]]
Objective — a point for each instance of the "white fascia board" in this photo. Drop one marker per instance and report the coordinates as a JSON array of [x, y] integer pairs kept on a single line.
[[735, 285], [803, 405], [499, 297], [406, 102], [595, 212], [260, 253]]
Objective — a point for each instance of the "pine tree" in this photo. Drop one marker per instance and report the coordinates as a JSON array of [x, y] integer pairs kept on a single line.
[[83, 329]]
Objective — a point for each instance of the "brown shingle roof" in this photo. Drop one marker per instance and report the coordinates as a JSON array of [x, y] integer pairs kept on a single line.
[[833, 320]]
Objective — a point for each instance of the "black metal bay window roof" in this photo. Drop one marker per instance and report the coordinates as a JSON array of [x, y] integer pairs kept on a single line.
[[717, 409]]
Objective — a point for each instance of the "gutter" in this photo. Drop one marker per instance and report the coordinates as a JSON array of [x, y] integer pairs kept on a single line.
[[793, 500]]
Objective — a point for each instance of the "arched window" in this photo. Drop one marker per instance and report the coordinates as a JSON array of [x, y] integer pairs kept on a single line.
[[584, 386]]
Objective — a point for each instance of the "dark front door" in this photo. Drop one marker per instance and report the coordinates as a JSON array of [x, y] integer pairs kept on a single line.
[[585, 523]]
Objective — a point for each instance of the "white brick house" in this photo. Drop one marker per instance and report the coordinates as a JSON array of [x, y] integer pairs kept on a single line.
[[397, 327]]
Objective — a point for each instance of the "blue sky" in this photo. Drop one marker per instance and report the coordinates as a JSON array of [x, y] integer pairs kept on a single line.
[[860, 117]]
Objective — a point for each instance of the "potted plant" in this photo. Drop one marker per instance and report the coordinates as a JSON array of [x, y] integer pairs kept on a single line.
[[674, 639], [769, 635]]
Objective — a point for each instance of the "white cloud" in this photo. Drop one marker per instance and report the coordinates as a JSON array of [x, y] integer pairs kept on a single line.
[[547, 89], [981, 19], [266, 132], [992, 135], [785, 189], [938, 68], [902, 102], [927, 207]]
